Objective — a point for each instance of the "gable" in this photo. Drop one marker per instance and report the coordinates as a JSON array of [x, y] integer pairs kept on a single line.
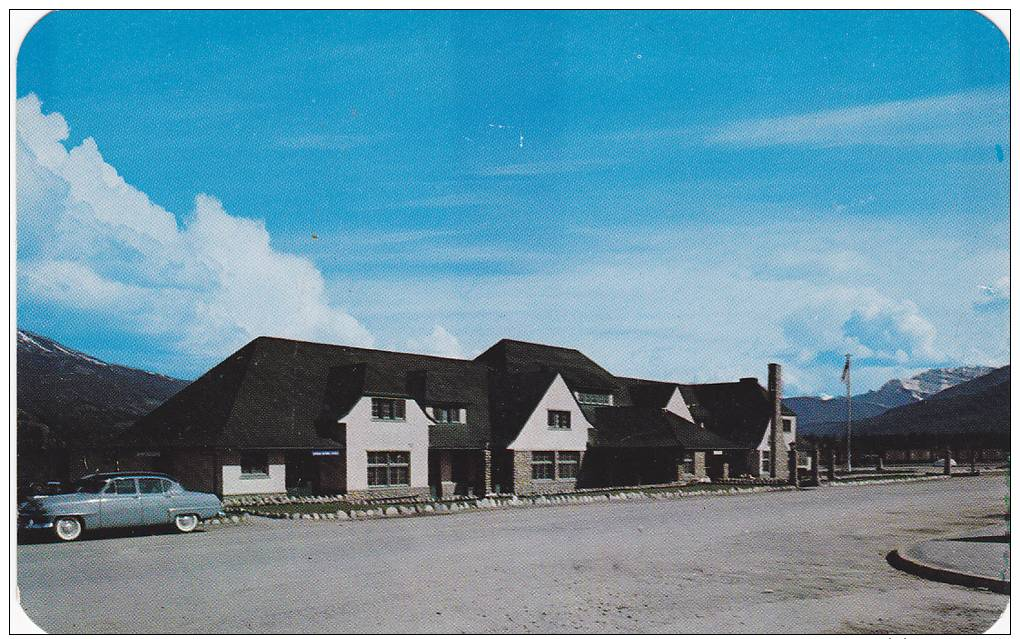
[[678, 405], [535, 433]]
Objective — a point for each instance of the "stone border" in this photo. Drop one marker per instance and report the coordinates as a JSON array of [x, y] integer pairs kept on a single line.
[[900, 559], [499, 502], [224, 518]]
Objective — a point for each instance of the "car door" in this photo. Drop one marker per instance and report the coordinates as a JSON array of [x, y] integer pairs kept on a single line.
[[155, 500], [121, 505]]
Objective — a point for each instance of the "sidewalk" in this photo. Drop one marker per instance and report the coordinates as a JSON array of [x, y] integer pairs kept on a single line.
[[979, 559]]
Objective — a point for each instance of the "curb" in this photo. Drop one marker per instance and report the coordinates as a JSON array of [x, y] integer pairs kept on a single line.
[[902, 561]]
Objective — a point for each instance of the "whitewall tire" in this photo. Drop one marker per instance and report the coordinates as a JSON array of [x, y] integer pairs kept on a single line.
[[67, 528], [186, 523]]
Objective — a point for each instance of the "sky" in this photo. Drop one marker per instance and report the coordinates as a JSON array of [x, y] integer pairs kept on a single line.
[[680, 195]]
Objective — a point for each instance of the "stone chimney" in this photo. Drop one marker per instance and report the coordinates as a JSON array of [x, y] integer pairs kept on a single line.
[[777, 447]]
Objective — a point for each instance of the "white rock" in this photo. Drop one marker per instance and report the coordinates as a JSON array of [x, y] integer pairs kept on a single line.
[[392, 512]]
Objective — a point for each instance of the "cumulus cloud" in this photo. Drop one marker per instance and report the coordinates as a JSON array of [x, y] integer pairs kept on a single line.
[[438, 342], [90, 241]]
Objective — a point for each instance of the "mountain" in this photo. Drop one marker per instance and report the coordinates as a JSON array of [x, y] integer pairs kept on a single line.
[[972, 413], [67, 397], [894, 393]]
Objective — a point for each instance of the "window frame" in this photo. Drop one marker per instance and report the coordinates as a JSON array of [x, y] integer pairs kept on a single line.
[[586, 398], [546, 464], [573, 461], [787, 425], [554, 422], [766, 461], [258, 473], [397, 409], [447, 410], [394, 463]]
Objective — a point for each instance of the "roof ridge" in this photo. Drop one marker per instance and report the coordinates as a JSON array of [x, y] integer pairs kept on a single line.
[[363, 348]]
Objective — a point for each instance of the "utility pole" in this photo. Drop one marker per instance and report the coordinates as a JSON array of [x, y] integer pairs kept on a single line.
[[849, 413]]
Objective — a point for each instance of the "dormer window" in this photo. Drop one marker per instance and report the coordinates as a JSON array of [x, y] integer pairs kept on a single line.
[[448, 415], [595, 399], [559, 420], [387, 409]]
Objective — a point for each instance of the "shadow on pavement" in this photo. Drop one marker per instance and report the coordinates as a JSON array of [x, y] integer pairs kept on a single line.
[[35, 537]]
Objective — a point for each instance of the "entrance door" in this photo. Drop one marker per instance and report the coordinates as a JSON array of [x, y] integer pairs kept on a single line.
[[302, 473]]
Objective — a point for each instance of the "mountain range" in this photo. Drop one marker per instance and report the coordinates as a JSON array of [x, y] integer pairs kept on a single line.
[[64, 395], [892, 394], [973, 413]]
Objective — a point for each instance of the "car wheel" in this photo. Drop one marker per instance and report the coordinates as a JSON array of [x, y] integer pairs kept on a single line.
[[186, 523], [67, 528]]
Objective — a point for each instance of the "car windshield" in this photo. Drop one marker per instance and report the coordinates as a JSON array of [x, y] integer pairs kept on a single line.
[[88, 485]]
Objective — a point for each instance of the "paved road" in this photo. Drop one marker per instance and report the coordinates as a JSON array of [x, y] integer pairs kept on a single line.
[[809, 561]]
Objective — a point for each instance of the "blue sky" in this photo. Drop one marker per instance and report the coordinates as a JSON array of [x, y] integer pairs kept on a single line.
[[681, 195]]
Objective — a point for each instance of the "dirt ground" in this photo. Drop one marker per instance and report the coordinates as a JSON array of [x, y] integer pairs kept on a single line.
[[811, 561]]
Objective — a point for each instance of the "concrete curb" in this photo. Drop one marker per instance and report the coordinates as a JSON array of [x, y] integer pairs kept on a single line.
[[901, 560]]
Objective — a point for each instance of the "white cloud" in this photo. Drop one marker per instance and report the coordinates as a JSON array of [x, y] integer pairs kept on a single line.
[[88, 240], [962, 118], [438, 342]]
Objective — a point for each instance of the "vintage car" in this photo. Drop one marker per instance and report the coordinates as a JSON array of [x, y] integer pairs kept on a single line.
[[117, 500]]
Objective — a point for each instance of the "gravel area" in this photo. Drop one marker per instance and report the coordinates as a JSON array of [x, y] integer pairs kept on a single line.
[[810, 561]]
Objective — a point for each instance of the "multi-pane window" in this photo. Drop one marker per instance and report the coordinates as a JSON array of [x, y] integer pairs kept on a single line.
[[254, 463], [567, 463], [598, 399], [389, 468], [766, 461], [559, 419], [447, 415], [543, 465], [787, 425], [385, 408]]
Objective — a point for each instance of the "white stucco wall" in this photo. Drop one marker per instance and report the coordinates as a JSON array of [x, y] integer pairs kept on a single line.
[[235, 484], [536, 434], [678, 406], [365, 433]]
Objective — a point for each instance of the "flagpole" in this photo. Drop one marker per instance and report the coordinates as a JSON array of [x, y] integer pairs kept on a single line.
[[849, 413]]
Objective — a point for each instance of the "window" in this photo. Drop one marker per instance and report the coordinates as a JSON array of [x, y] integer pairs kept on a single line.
[[766, 461], [254, 464], [787, 425], [152, 485], [598, 399], [122, 487], [559, 420], [446, 415], [567, 464], [389, 468], [383, 408], [543, 465]]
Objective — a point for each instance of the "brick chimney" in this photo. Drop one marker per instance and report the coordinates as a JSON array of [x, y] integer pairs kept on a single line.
[[777, 448]]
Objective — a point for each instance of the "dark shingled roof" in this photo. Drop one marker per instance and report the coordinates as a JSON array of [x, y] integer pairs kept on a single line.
[[641, 427], [277, 393], [580, 372], [738, 411]]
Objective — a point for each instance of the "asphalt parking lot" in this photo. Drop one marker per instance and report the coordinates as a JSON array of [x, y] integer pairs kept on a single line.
[[811, 561]]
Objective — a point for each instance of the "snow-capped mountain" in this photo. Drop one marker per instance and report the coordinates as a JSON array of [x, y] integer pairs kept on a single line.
[[900, 392], [67, 397], [894, 393]]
